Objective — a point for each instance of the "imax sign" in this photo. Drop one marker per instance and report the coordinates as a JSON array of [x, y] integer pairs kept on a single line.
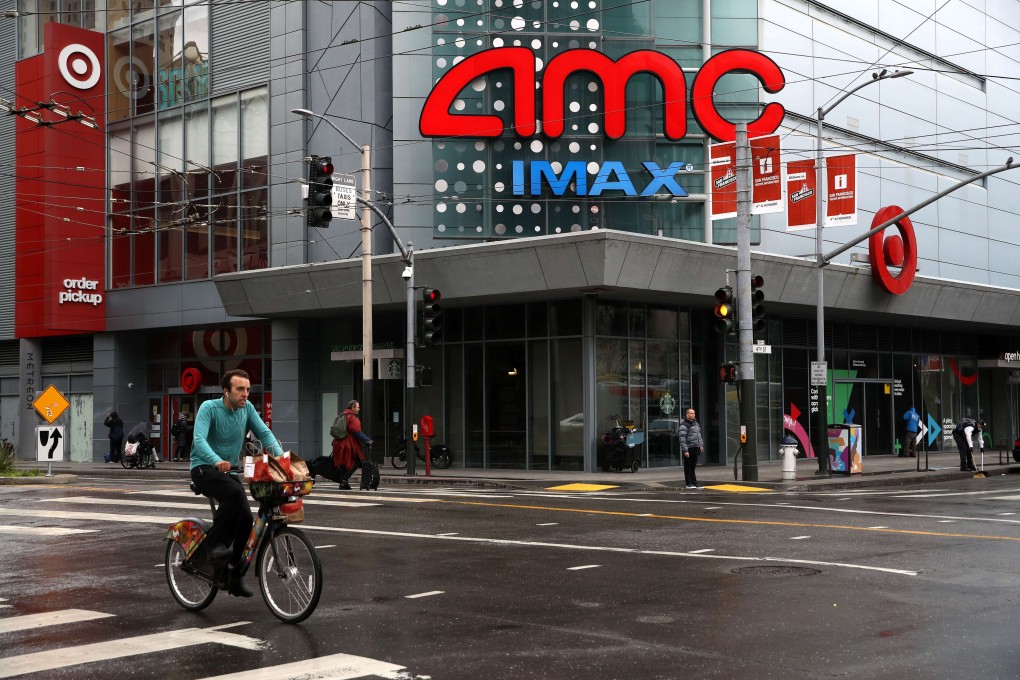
[[612, 176], [437, 120]]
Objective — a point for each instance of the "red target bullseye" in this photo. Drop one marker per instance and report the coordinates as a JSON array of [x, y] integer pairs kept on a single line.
[[896, 251], [79, 66]]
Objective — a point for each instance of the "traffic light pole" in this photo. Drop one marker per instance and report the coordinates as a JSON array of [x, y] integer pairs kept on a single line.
[[367, 369], [409, 367], [745, 325]]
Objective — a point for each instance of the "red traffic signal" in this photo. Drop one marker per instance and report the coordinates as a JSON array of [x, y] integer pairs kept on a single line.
[[325, 167], [431, 295], [432, 317]]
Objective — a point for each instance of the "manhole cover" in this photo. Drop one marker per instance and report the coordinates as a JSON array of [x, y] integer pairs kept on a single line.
[[775, 572]]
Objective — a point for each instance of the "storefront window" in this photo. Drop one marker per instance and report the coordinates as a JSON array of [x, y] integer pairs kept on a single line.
[[255, 137], [568, 399]]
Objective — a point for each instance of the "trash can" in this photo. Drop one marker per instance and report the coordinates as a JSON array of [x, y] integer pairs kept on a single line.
[[845, 449], [788, 450]]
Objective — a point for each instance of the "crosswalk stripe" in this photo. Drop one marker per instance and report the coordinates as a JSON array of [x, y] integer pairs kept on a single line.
[[333, 667], [119, 648], [319, 498], [89, 516], [64, 616], [92, 500], [43, 531]]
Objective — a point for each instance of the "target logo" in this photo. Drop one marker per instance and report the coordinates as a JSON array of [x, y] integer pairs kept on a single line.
[[79, 66], [898, 250]]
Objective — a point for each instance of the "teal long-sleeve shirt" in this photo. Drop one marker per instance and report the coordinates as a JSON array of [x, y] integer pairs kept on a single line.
[[219, 433]]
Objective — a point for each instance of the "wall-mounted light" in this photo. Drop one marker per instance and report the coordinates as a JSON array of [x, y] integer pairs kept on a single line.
[[512, 371]]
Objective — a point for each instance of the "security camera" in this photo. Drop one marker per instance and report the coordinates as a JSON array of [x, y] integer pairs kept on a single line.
[[408, 273], [131, 386]]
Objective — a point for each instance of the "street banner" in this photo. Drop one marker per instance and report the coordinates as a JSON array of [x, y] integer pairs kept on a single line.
[[841, 185], [767, 181], [800, 195], [723, 163]]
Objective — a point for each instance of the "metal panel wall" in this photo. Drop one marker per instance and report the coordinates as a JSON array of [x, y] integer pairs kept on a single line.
[[8, 55], [240, 46]]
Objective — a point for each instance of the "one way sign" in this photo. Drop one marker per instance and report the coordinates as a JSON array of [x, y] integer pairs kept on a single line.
[[50, 439]]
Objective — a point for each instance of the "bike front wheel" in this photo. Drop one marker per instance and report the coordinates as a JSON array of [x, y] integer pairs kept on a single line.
[[399, 461], [191, 590], [290, 575]]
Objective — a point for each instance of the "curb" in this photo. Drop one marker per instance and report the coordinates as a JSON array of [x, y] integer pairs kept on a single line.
[[42, 479]]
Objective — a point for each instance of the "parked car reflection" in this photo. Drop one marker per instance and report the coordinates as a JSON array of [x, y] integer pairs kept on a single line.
[[663, 444]]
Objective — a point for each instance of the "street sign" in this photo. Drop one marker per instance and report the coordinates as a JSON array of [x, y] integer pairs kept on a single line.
[[51, 404], [761, 349], [50, 442], [819, 373], [345, 196]]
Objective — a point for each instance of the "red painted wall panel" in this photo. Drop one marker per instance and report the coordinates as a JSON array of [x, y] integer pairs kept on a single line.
[[60, 188]]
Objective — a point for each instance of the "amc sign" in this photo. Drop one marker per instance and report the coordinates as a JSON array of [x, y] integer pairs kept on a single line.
[[437, 120]]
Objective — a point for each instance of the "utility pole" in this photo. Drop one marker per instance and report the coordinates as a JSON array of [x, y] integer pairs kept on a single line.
[[367, 368], [745, 326]]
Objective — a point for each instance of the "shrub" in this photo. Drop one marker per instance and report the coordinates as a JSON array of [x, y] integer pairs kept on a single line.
[[7, 455]]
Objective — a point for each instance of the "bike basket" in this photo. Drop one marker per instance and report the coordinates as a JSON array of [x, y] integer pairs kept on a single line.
[[262, 491]]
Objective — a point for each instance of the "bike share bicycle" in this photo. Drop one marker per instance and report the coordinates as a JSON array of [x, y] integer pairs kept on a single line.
[[441, 454], [289, 571]]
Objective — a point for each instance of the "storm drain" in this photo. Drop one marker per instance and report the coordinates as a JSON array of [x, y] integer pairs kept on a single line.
[[775, 572]]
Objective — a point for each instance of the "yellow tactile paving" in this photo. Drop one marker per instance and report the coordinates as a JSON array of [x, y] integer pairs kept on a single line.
[[581, 487], [736, 488]]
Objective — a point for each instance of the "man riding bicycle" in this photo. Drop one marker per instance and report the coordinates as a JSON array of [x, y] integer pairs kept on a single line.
[[220, 427]]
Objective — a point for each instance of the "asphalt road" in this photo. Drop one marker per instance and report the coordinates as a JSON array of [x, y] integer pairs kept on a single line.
[[449, 583]]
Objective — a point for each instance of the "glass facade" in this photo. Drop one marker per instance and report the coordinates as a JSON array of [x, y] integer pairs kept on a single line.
[[475, 192]]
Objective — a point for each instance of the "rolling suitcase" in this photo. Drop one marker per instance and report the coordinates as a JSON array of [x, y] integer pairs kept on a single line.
[[369, 476]]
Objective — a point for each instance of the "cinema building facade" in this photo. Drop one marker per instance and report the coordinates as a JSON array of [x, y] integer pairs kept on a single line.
[[549, 160]]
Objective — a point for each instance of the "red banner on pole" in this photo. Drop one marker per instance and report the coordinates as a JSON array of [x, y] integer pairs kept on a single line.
[[766, 172], [800, 195], [841, 185], [723, 163]]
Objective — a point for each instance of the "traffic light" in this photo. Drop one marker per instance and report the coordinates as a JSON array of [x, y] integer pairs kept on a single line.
[[757, 303], [725, 310], [320, 191], [432, 317], [728, 373]]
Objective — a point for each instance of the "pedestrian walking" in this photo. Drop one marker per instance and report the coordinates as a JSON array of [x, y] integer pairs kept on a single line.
[[963, 435], [116, 435], [179, 431], [692, 443], [347, 452], [913, 422]]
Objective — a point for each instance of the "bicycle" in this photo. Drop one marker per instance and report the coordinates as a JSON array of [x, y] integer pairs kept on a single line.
[[289, 571], [441, 455]]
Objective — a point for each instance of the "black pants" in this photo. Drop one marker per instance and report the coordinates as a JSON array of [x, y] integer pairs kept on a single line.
[[691, 462], [233, 521], [961, 443], [116, 449]]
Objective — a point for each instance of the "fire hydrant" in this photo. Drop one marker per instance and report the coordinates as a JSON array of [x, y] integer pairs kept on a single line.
[[788, 450]]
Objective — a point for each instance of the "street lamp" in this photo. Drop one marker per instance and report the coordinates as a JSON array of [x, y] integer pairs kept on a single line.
[[367, 370], [821, 422]]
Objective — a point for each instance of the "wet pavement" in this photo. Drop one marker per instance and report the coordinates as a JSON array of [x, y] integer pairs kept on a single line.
[[877, 471]]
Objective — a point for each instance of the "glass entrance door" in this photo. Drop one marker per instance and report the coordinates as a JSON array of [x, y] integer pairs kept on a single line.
[[869, 404]]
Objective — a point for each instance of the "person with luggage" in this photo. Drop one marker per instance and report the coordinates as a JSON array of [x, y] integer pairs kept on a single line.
[[913, 420], [348, 454], [692, 443], [963, 435]]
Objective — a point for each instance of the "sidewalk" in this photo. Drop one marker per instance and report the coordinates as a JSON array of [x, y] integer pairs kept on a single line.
[[878, 471]]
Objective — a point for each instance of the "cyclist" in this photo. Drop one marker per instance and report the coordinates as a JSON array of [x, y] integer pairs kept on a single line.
[[220, 428]]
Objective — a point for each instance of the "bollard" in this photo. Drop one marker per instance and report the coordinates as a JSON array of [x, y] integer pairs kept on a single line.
[[788, 450]]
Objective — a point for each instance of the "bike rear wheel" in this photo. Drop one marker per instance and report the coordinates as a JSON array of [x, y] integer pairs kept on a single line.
[[442, 460], [290, 576], [399, 461], [192, 591]]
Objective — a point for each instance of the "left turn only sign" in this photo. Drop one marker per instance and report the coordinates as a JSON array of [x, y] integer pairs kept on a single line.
[[51, 404], [50, 439]]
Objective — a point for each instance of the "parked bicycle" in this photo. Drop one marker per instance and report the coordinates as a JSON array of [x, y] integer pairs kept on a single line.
[[289, 572], [441, 454]]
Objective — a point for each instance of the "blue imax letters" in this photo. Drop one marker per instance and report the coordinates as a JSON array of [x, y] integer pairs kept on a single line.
[[612, 176]]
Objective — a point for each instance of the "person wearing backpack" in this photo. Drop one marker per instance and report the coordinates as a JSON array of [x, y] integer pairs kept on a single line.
[[116, 426], [963, 436], [347, 443]]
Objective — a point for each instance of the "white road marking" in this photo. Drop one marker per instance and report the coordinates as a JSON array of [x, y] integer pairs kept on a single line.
[[584, 566], [332, 667], [712, 507], [55, 618], [878, 527], [947, 521], [44, 531], [89, 516], [798, 538], [647, 514], [1006, 514], [451, 533], [320, 547], [946, 494], [94, 500], [65, 657], [428, 594], [702, 551], [547, 524], [1004, 498]]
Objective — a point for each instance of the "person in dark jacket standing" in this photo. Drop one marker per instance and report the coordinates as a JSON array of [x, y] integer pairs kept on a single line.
[[116, 426], [963, 435], [692, 443]]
